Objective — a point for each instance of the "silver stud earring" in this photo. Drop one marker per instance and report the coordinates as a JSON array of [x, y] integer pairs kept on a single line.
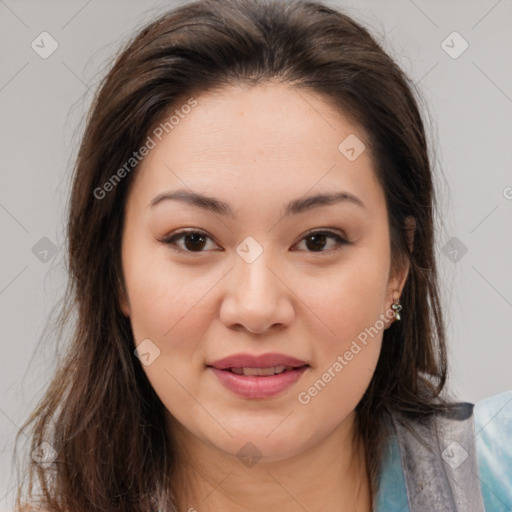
[[396, 307]]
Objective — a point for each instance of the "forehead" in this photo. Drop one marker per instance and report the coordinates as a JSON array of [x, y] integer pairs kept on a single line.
[[268, 138]]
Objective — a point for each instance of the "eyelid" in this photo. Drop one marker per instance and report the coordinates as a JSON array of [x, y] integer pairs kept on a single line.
[[328, 231]]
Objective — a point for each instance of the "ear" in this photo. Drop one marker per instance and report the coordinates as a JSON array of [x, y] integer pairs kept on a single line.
[[124, 304], [399, 277], [125, 307]]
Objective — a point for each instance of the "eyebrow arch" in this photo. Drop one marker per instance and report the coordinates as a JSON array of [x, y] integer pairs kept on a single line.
[[294, 207]]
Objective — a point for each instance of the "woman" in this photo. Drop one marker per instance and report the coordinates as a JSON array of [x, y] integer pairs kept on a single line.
[[251, 254]]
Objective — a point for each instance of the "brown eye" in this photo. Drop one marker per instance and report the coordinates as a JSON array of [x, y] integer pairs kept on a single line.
[[317, 241], [197, 241], [193, 241]]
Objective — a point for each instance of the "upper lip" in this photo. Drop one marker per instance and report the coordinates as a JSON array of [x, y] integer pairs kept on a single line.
[[256, 361]]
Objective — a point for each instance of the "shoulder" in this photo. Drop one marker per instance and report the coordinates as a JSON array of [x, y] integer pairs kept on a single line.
[[493, 440], [492, 422]]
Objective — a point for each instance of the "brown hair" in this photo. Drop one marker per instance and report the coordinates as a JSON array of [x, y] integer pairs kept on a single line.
[[100, 413]]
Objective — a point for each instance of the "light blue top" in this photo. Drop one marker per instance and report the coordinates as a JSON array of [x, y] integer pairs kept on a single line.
[[493, 440]]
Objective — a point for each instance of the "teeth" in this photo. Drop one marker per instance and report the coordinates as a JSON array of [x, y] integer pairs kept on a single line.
[[273, 370], [250, 371]]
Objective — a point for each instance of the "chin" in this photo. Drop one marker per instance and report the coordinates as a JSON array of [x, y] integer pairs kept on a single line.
[[252, 447]]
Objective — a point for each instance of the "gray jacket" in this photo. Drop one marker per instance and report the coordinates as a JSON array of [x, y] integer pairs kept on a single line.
[[432, 483]]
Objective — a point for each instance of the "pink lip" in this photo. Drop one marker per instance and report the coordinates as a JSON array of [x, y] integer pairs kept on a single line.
[[261, 361], [258, 386]]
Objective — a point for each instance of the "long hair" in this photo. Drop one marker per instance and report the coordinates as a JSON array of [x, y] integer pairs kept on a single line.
[[99, 415]]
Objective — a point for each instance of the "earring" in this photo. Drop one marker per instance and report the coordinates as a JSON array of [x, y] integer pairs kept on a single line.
[[396, 307]]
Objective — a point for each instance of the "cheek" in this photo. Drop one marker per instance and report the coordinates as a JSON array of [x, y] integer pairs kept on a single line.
[[350, 305], [167, 306], [350, 298], [163, 299]]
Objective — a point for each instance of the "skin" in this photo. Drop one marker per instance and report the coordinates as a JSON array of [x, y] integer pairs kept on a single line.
[[257, 149]]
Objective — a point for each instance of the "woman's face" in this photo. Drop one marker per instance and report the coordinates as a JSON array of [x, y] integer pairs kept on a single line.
[[251, 277]]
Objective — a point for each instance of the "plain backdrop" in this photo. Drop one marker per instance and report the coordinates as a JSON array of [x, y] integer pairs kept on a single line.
[[458, 53]]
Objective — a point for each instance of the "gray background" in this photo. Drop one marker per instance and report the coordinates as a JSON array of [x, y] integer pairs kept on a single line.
[[469, 102]]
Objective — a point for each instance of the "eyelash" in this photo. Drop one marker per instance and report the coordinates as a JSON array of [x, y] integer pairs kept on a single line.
[[171, 240]]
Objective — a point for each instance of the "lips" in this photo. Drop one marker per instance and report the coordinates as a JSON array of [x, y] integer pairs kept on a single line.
[[263, 361], [263, 376]]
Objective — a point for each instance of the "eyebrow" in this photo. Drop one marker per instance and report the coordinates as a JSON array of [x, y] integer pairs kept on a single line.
[[294, 207]]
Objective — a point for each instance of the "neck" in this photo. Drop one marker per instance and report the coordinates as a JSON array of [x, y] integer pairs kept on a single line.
[[330, 476]]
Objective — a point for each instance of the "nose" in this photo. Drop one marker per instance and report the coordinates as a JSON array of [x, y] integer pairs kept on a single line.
[[257, 298]]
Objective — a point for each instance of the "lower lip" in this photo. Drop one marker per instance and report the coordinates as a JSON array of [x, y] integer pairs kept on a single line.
[[252, 386]]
